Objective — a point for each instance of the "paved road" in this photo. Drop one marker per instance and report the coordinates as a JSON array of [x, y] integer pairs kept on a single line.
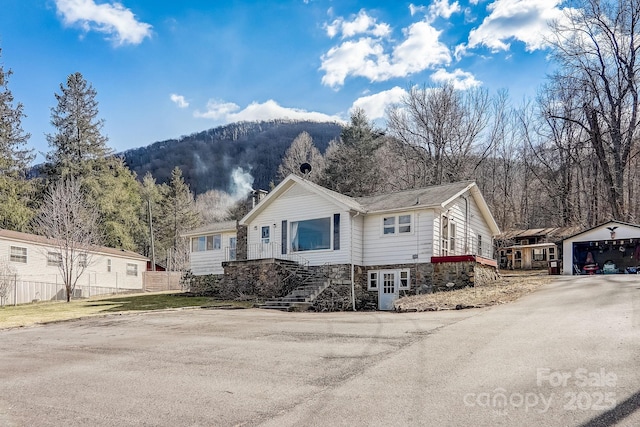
[[567, 355]]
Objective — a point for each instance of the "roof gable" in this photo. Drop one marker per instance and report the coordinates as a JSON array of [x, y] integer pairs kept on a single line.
[[613, 222], [290, 181]]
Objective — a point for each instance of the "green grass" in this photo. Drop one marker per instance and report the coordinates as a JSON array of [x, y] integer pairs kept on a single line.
[[53, 311]]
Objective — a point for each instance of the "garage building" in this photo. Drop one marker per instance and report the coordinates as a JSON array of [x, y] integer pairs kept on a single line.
[[609, 248]]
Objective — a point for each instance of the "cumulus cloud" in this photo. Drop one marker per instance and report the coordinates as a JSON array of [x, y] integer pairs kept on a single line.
[[378, 57], [113, 19], [459, 78], [229, 112], [375, 105], [523, 20], [179, 100], [444, 9], [361, 24]]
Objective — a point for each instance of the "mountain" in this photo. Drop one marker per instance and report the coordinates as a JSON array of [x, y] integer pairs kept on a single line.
[[208, 158]]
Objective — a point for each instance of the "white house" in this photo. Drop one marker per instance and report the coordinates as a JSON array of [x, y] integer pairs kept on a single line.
[[211, 245], [387, 243], [35, 260], [612, 247]]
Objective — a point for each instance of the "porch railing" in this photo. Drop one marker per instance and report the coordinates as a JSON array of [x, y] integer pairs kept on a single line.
[[267, 251]]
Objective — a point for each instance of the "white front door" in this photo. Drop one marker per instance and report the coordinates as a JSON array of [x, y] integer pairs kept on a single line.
[[388, 292], [265, 239]]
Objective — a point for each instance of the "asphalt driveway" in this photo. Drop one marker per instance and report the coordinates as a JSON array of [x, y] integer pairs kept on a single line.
[[567, 355]]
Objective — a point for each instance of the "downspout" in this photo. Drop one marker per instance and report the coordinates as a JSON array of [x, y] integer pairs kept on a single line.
[[353, 273]]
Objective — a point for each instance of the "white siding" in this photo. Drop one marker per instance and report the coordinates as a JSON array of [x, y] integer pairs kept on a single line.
[[466, 235], [399, 248], [210, 262], [96, 273], [298, 204]]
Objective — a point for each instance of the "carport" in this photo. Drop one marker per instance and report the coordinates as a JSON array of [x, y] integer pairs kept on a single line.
[[609, 248]]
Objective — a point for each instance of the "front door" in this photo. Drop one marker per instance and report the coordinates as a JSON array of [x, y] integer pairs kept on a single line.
[[233, 243], [388, 292], [265, 239]]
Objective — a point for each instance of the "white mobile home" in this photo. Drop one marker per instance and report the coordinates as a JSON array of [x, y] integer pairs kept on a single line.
[[35, 263]]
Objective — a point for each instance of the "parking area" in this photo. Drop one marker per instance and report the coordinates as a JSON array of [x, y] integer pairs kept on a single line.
[[257, 367]]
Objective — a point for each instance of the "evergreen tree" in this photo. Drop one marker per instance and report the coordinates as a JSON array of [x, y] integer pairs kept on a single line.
[[179, 214], [78, 146], [16, 192], [351, 166], [116, 193]]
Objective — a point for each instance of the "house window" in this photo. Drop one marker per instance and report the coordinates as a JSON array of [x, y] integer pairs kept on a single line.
[[404, 280], [396, 224], [452, 239], [444, 233], [54, 259], [82, 260], [373, 281], [206, 243], [108, 266], [311, 235], [539, 254], [552, 253], [389, 225], [266, 234], [336, 232], [18, 254], [132, 269], [479, 244]]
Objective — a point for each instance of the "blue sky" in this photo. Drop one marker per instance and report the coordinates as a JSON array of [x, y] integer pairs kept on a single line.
[[163, 69]]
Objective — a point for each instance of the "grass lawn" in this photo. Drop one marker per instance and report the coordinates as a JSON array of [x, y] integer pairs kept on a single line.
[[45, 312]]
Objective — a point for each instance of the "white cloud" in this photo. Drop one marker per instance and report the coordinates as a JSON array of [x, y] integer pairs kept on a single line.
[[361, 24], [113, 19], [460, 79], [375, 105], [229, 112], [179, 100], [381, 58], [443, 9], [523, 20]]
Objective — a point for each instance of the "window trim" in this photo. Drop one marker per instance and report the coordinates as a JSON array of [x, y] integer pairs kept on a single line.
[[373, 282], [132, 269], [397, 225], [22, 257], [330, 220], [54, 259]]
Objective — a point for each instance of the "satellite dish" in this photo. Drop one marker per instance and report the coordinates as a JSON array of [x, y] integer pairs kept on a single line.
[[305, 168]]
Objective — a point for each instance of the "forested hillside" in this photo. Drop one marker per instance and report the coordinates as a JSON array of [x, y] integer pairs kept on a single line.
[[207, 158]]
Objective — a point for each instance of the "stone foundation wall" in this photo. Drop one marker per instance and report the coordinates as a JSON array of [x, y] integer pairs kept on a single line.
[[454, 275], [260, 279]]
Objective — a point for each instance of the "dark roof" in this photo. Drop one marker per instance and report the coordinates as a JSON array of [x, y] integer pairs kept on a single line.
[[34, 238]]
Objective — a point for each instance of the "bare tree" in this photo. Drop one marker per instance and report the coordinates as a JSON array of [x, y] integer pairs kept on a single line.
[[7, 278], [72, 224], [447, 124], [301, 151], [596, 46]]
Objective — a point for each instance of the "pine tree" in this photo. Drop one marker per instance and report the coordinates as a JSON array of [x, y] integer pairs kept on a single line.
[[351, 166], [78, 146], [15, 191], [179, 214]]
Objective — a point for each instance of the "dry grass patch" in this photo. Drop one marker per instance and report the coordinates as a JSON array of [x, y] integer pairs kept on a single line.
[[47, 312], [508, 288]]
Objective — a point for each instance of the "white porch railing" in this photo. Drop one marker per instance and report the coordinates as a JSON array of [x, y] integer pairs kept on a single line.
[[266, 251]]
